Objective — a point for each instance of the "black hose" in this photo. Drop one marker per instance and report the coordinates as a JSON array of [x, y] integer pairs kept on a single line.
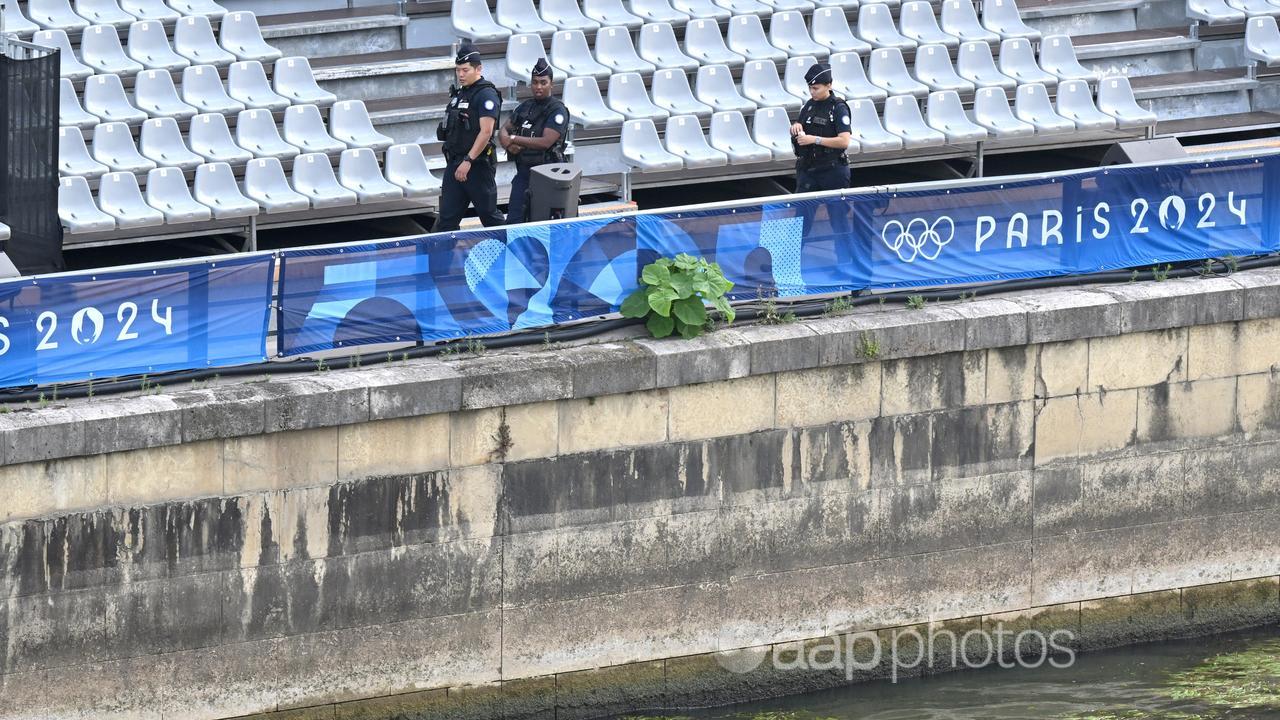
[[766, 309]]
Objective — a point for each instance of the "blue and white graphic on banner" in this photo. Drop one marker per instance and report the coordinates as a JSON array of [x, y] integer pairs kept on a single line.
[[104, 324], [495, 280], [1086, 222]]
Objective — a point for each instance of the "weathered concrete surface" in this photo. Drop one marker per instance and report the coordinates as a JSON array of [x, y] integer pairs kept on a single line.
[[583, 531]]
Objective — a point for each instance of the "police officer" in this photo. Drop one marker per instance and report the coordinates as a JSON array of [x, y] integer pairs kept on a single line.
[[467, 133], [821, 135], [534, 135]]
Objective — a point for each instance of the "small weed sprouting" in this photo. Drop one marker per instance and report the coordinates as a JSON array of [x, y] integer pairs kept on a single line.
[[769, 314], [1160, 274], [868, 347], [1134, 277], [90, 388], [475, 346], [916, 302], [1206, 270], [42, 401], [321, 366], [838, 306], [1232, 262]]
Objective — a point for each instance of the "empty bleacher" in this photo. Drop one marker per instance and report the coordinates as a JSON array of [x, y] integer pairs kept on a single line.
[[284, 105], [168, 125]]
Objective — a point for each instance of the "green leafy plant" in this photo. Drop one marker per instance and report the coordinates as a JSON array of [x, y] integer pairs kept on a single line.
[[674, 293], [915, 302], [1160, 274], [1232, 263]]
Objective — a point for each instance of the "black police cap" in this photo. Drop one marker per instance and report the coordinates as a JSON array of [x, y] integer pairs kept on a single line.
[[542, 68], [467, 53], [819, 74]]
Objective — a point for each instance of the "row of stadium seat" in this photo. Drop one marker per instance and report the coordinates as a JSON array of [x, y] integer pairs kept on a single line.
[[155, 95], [1217, 12], [209, 139], [714, 88], [615, 51], [903, 126], [215, 194], [148, 47], [59, 14], [472, 20]]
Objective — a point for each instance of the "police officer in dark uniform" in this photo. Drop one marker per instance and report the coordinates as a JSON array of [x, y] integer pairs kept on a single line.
[[821, 135], [534, 135], [467, 133]]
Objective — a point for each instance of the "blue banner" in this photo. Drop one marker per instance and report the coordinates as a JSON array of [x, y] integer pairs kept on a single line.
[[494, 280], [62, 328]]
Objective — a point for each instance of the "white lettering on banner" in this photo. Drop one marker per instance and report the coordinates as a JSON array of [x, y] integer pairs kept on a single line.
[[918, 238], [88, 324]]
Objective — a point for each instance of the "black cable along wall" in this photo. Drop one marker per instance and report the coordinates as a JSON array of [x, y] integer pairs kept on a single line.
[[29, 156]]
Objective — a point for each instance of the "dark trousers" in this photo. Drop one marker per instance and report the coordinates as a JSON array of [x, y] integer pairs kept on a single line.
[[480, 190], [835, 177], [518, 207]]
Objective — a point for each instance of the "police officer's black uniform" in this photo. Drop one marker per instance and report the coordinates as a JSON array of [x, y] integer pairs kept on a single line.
[[458, 132], [530, 119], [818, 166]]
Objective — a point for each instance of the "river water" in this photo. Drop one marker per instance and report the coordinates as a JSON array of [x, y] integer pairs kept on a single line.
[[1225, 677]]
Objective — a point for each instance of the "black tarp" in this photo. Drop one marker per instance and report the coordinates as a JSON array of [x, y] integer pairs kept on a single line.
[[29, 156]]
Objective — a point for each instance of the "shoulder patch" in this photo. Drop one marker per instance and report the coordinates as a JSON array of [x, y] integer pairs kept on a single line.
[[559, 118], [488, 104], [845, 119]]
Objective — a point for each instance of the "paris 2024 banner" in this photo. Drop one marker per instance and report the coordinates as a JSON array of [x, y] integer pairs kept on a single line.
[[495, 280]]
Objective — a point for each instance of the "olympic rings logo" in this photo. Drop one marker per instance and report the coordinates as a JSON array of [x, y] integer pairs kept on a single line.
[[918, 239]]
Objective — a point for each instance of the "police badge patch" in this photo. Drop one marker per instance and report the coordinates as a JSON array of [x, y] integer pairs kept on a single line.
[[559, 118], [488, 104]]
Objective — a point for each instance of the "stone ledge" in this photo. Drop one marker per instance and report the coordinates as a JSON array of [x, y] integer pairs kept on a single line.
[[530, 375]]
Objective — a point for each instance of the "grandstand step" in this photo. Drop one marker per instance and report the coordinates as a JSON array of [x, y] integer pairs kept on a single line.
[[1079, 17], [1138, 52], [413, 118], [613, 207], [395, 73], [1201, 93], [1220, 124], [330, 33]]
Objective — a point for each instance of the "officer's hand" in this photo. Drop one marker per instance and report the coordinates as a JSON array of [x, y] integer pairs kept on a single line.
[[806, 139], [460, 174], [796, 129]]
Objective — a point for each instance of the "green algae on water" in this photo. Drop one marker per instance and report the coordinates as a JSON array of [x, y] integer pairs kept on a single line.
[[1247, 679]]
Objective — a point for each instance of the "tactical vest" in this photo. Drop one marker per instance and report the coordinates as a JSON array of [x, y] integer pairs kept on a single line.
[[529, 121], [818, 118], [462, 123]]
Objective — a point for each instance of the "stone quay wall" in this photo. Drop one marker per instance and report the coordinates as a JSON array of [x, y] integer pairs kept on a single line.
[[567, 532]]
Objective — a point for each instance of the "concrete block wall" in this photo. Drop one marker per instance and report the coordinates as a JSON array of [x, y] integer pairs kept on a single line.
[[569, 532]]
